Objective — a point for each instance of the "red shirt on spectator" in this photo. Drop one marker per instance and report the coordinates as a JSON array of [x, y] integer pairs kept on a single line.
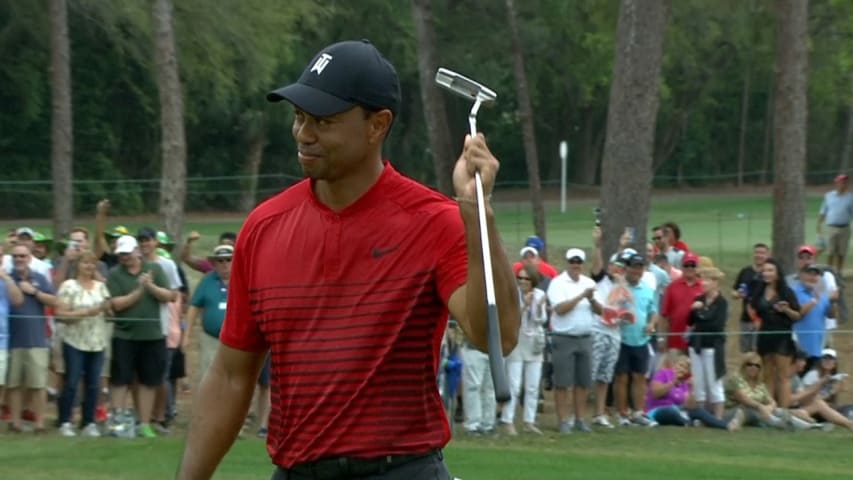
[[544, 268], [353, 316], [675, 306], [680, 245]]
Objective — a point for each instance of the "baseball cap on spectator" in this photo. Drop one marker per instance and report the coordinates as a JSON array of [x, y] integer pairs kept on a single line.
[[828, 352], [146, 233], [690, 257], [126, 244], [117, 231], [163, 238], [341, 76], [39, 237], [221, 251], [530, 250], [25, 231], [535, 242], [841, 178], [633, 260], [807, 249], [573, 253]]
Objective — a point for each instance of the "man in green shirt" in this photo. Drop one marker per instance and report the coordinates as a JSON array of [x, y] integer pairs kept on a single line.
[[139, 344]]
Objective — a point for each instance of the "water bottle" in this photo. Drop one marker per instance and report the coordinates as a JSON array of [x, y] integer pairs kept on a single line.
[[743, 289]]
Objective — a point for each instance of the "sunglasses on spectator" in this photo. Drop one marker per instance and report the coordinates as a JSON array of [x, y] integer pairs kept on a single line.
[[522, 278], [223, 260], [576, 261], [756, 365], [657, 238], [20, 255], [689, 265]]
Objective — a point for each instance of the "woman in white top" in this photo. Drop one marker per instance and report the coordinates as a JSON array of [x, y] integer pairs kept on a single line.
[[525, 362], [83, 301]]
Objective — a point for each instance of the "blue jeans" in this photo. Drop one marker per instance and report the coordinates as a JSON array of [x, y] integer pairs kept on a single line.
[[85, 365], [673, 415]]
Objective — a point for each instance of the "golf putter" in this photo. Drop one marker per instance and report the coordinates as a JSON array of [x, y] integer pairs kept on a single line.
[[481, 95]]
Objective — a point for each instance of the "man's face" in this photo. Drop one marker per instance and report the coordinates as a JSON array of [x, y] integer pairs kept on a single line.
[[147, 245], [689, 269], [337, 146], [20, 258], [530, 258], [40, 251], [841, 186], [659, 239], [575, 265], [128, 259], [222, 266], [634, 273], [650, 250], [810, 278], [81, 240], [760, 255], [805, 258]]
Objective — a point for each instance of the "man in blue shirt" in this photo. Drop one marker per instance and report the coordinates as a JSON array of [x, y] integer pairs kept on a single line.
[[815, 306], [208, 302], [836, 212], [28, 359]]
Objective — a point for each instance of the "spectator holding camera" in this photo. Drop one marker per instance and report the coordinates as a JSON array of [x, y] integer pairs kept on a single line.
[[83, 300]]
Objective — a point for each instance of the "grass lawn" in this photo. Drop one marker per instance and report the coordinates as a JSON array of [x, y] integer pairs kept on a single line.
[[625, 453]]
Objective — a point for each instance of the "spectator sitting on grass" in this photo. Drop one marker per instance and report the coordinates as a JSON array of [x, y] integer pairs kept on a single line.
[[809, 399], [747, 391], [828, 366], [669, 401]]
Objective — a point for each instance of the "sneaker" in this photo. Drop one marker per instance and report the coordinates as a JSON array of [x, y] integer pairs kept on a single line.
[[737, 421], [91, 430], [509, 429], [145, 431], [532, 428], [66, 430], [826, 426], [643, 420], [473, 433], [602, 421], [262, 432], [798, 424], [565, 428], [625, 421], [162, 428], [582, 427]]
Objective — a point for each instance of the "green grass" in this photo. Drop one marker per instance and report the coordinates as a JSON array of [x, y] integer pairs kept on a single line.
[[625, 453]]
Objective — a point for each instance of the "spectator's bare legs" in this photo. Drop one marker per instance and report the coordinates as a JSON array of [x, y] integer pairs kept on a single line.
[[262, 406], [580, 395], [13, 397], [770, 374], [145, 406], [819, 407], [600, 398], [37, 402], [638, 390], [620, 392], [782, 381], [561, 403], [161, 396]]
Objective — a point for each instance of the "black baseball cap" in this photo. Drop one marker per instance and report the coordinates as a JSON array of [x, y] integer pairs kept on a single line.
[[341, 76], [635, 259], [146, 232]]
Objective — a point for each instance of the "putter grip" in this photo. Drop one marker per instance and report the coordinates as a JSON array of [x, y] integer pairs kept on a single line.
[[496, 358]]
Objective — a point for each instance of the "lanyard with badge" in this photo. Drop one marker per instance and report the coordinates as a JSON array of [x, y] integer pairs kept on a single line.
[[223, 293]]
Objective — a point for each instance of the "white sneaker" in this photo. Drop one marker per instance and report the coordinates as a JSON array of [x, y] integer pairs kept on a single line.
[[643, 420], [624, 421], [66, 430], [602, 421], [91, 430]]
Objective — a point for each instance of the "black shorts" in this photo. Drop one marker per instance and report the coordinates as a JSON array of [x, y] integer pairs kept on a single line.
[[775, 344], [633, 359], [264, 377], [143, 361]]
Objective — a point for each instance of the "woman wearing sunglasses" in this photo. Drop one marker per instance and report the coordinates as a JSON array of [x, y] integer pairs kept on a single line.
[[746, 391], [525, 362]]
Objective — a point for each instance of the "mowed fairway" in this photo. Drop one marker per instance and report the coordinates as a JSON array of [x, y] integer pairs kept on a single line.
[[635, 454]]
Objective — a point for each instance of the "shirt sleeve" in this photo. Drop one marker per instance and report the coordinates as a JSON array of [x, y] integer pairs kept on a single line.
[[823, 206], [829, 281], [240, 329], [810, 378], [452, 266], [66, 293]]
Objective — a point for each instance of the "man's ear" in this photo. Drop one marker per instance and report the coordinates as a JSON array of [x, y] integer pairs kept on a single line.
[[380, 124]]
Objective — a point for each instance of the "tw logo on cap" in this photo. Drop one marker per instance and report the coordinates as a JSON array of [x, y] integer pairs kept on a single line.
[[321, 63]]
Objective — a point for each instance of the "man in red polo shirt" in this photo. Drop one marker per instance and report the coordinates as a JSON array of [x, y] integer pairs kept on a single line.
[[677, 299], [347, 279]]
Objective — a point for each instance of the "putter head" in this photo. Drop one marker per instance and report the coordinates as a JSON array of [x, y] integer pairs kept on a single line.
[[464, 86]]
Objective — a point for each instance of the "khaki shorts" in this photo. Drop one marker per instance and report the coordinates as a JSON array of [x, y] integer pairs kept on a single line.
[[837, 241], [4, 366], [28, 368]]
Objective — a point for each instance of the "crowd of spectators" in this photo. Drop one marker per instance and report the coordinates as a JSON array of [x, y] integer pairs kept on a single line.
[[101, 324]]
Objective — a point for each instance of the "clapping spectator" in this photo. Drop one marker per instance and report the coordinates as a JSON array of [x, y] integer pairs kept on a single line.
[[82, 303], [524, 364], [707, 320], [776, 306], [24, 237], [28, 344]]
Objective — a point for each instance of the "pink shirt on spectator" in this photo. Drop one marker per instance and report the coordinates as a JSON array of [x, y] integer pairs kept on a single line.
[[204, 265], [675, 397]]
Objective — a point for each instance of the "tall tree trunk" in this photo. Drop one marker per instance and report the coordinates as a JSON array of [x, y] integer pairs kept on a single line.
[[789, 127], [525, 110], [173, 185], [626, 169], [847, 145], [254, 156], [61, 126], [744, 123], [767, 147], [433, 102]]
